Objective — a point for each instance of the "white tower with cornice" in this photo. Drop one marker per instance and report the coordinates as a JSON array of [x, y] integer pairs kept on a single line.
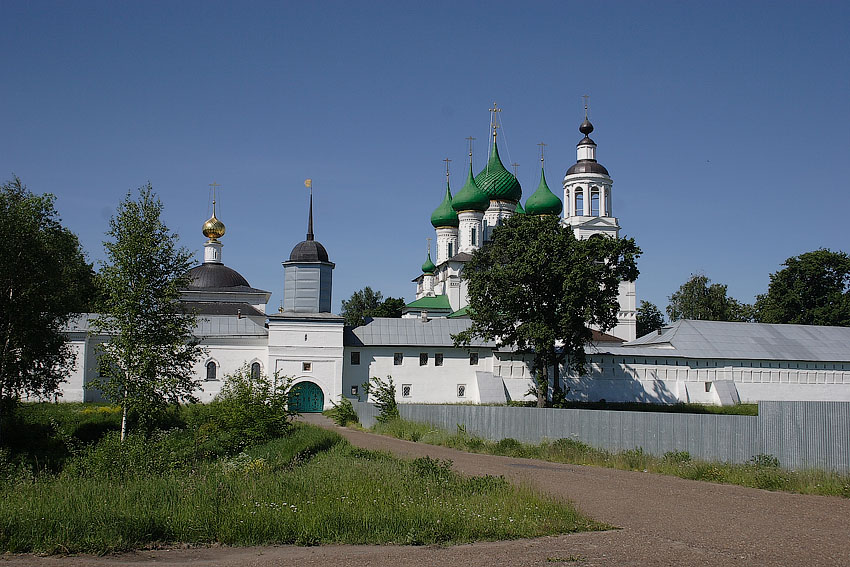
[[588, 210]]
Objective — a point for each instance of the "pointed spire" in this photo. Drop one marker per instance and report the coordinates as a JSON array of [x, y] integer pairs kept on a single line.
[[428, 266], [310, 221], [543, 201], [471, 197]]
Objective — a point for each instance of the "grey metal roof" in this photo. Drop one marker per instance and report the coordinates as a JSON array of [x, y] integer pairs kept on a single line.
[[587, 166], [749, 341], [409, 331], [213, 275], [219, 308]]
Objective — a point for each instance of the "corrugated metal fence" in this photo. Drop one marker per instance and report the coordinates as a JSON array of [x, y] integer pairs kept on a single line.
[[799, 434]]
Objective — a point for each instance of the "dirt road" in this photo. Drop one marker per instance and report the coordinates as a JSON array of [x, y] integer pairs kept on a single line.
[[662, 520]]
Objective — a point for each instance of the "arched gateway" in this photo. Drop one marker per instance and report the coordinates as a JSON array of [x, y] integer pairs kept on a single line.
[[306, 397]]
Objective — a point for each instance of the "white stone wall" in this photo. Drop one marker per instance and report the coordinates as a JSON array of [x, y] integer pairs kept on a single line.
[[671, 380], [428, 383]]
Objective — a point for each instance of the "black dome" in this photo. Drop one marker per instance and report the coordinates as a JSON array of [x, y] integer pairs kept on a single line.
[[588, 166], [586, 127], [309, 251], [207, 276]]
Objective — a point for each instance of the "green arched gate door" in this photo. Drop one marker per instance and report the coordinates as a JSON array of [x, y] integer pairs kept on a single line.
[[306, 397]]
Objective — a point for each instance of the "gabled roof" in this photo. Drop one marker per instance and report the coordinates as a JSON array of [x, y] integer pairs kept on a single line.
[[751, 341], [431, 302], [411, 331]]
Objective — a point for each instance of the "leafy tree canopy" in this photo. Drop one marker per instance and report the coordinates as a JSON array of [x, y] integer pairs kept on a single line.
[[44, 279], [147, 362], [812, 289], [535, 284], [696, 299], [369, 303], [649, 318]]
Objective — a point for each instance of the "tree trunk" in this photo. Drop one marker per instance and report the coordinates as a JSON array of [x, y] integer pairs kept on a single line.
[[557, 397], [123, 423], [542, 387]]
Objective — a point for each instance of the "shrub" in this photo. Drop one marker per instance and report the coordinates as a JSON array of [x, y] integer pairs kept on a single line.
[[763, 461], [253, 409], [343, 413], [384, 395], [677, 457]]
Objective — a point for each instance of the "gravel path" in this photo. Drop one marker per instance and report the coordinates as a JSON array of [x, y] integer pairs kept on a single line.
[[663, 521]]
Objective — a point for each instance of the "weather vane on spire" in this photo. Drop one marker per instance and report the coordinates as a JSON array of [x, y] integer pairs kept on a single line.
[[542, 150], [495, 118], [586, 98], [448, 161]]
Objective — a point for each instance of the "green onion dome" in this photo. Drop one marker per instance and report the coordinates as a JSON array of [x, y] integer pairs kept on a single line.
[[470, 197], [519, 210], [543, 201], [497, 182], [445, 215], [428, 267]]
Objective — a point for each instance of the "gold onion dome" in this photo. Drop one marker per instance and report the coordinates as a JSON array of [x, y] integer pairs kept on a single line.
[[213, 228]]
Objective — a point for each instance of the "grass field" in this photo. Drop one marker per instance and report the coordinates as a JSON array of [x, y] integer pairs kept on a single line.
[[308, 487], [762, 471]]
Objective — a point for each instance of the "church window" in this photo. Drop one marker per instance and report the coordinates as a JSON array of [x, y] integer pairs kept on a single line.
[[438, 359], [608, 203], [211, 371], [306, 367], [473, 358], [355, 358], [398, 358], [451, 249], [472, 235], [594, 202], [579, 202], [255, 370], [354, 391], [405, 390], [423, 359], [461, 390]]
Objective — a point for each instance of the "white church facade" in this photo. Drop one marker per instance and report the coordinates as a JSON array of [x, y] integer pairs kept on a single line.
[[688, 361]]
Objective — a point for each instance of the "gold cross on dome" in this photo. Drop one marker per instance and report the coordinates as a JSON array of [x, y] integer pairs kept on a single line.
[[448, 161], [470, 139], [542, 149], [586, 98], [515, 166], [494, 111]]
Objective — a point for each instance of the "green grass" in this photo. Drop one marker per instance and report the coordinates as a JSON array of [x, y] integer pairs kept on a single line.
[[308, 487], [761, 472]]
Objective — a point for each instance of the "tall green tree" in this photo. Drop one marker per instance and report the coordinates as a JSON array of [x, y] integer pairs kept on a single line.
[[812, 289], [44, 280], [535, 286], [649, 318], [146, 365], [369, 303], [700, 299]]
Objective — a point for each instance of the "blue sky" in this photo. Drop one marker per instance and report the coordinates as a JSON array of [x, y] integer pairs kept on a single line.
[[725, 126]]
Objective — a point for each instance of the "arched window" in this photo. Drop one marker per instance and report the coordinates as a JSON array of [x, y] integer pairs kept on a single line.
[[594, 202], [211, 371], [608, 203], [451, 249], [579, 202], [472, 239], [255, 370]]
